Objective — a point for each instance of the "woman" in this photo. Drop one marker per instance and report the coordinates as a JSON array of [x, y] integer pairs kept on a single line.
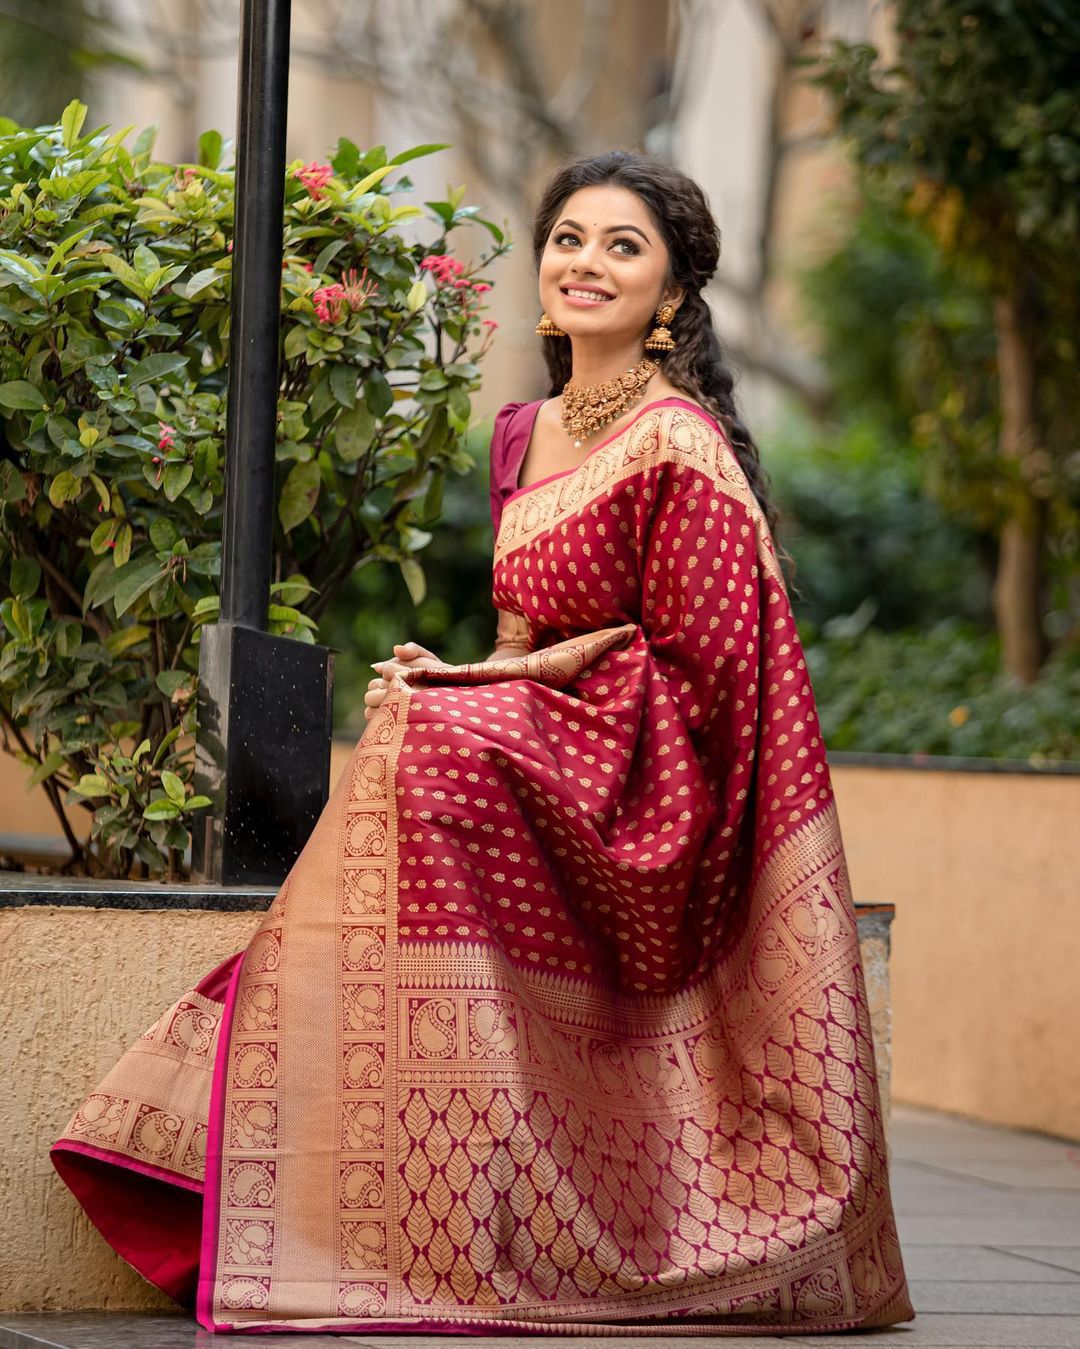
[[558, 1021]]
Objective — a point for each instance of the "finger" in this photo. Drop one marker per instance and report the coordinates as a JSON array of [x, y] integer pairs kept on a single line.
[[374, 697]]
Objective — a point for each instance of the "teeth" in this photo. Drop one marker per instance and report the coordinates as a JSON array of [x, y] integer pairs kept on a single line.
[[588, 294]]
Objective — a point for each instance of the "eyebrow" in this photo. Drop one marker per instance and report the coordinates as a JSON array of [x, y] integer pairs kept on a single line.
[[613, 229]]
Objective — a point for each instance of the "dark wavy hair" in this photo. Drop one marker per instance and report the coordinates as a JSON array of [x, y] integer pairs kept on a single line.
[[681, 212]]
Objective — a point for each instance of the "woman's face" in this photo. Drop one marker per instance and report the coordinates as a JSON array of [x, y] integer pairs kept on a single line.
[[603, 268]]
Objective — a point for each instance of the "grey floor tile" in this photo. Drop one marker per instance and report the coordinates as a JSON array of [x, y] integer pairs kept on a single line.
[[1033, 1174], [980, 1264], [928, 1192], [944, 1330], [1003, 1297], [1016, 1229], [1061, 1257]]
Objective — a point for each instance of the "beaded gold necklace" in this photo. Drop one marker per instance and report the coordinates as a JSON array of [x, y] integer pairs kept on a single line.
[[588, 407]]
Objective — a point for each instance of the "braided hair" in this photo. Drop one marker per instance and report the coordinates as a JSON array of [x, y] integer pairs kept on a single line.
[[682, 214]]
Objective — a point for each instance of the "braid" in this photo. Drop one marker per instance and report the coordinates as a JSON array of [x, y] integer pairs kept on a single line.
[[692, 237]]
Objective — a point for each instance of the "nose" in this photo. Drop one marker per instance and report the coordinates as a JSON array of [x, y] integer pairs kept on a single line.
[[588, 261]]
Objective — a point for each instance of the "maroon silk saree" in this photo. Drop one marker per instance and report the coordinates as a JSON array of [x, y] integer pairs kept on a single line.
[[558, 1021]]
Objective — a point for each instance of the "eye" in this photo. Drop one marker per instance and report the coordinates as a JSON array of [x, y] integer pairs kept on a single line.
[[566, 234], [629, 244]]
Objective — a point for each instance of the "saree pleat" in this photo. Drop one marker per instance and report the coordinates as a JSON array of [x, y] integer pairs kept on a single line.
[[558, 1022]]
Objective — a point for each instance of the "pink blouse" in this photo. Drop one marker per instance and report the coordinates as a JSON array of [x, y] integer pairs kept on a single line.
[[509, 441]]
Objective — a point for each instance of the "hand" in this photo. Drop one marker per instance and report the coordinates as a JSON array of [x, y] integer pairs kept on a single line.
[[407, 656]]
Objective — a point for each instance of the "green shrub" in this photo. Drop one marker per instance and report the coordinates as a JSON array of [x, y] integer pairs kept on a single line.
[[114, 313], [942, 692]]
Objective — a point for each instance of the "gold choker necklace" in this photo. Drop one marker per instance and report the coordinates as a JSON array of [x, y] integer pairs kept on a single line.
[[588, 407]]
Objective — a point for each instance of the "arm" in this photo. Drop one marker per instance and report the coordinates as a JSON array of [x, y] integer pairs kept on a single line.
[[511, 635]]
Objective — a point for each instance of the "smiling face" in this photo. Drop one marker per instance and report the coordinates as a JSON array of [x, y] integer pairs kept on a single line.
[[603, 271]]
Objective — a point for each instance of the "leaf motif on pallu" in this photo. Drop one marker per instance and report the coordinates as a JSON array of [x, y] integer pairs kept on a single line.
[[438, 1143], [684, 1165], [438, 1098], [459, 1171], [681, 1254], [505, 1282], [501, 1169], [836, 1146], [864, 1050], [806, 1137], [752, 1247], [740, 1189], [773, 1162], [439, 1198], [712, 1179], [585, 1227], [459, 1116], [463, 1280], [586, 1275], [673, 1190], [541, 1118], [798, 1201], [481, 1197], [810, 1033], [564, 1200], [522, 1249], [417, 1170], [806, 1101], [500, 1117], [777, 1126], [565, 1250], [842, 1043], [761, 1224], [722, 1239], [747, 1156], [694, 1140], [842, 1008], [543, 1224], [479, 1144], [607, 1254], [804, 1171], [522, 1196], [808, 1067], [441, 1252], [838, 1111], [417, 1116], [522, 1144], [479, 1098], [421, 1279], [544, 1172], [864, 1121], [691, 1230], [768, 1195], [544, 1275], [482, 1252], [419, 1226], [778, 1061], [841, 1078], [729, 1119], [701, 1206], [459, 1225]]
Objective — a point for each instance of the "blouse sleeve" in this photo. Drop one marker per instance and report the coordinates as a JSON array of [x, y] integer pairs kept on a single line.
[[500, 488]]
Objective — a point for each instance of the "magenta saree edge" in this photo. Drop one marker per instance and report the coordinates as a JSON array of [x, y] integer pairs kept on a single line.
[[67, 1145], [204, 1299]]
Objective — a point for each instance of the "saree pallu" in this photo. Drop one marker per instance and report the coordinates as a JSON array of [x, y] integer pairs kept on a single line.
[[558, 1023]]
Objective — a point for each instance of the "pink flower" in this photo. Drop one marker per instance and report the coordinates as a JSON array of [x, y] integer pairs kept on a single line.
[[480, 287], [489, 323], [444, 267], [329, 303], [228, 246], [110, 543], [309, 266], [315, 177], [165, 437], [358, 289]]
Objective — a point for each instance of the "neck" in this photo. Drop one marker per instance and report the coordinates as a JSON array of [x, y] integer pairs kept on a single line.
[[594, 360]]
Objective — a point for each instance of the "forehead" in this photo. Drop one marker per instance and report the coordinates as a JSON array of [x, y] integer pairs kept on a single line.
[[606, 204]]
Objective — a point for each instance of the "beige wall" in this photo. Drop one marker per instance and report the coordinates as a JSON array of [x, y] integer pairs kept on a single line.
[[983, 869]]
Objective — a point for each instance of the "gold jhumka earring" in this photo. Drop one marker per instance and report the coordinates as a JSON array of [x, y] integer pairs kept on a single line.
[[548, 328], [660, 339]]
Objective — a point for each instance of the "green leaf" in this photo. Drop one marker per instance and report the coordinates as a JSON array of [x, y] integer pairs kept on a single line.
[[417, 150], [135, 579], [417, 297], [378, 394], [174, 786], [168, 681], [51, 764], [413, 573], [163, 534], [353, 433], [12, 482], [155, 367], [210, 147], [177, 477], [92, 784], [299, 494], [197, 803], [17, 395], [25, 577], [162, 808], [71, 122], [123, 639], [343, 381], [64, 487], [124, 273]]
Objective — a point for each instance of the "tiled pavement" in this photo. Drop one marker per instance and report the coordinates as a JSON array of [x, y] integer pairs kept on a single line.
[[989, 1224]]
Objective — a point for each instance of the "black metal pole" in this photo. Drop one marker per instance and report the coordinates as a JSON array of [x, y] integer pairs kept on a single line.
[[262, 752], [247, 531]]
